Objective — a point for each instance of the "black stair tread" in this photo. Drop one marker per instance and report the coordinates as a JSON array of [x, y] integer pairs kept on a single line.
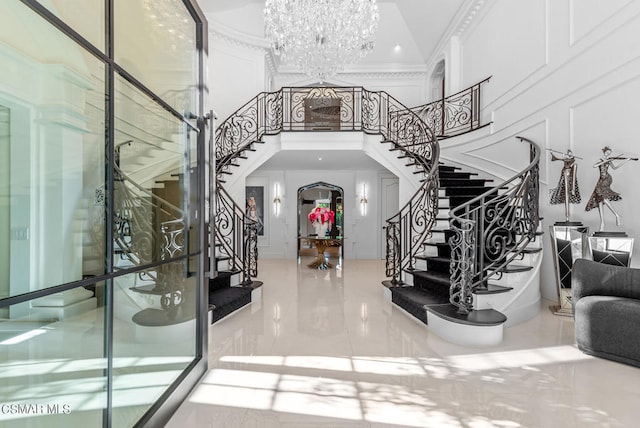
[[227, 273], [437, 244], [469, 182], [466, 187], [456, 174], [438, 259], [512, 268], [441, 230], [434, 276], [481, 317], [530, 250], [443, 167], [151, 317], [491, 289], [418, 296], [228, 300], [221, 258], [152, 289]]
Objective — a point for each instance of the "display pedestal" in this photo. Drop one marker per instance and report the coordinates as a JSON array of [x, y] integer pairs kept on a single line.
[[568, 243], [612, 248]]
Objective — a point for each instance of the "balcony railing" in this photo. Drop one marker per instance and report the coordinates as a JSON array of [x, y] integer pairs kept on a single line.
[[454, 115], [335, 109]]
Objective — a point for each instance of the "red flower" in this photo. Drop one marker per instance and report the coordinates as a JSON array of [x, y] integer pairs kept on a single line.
[[322, 215]]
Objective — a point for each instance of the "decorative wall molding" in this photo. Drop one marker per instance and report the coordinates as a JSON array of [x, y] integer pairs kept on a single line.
[[458, 25], [464, 20], [575, 34], [223, 32]]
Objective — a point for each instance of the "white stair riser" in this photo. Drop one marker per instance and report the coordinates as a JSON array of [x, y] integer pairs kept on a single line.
[[222, 265], [436, 237], [235, 279], [407, 278], [441, 224]]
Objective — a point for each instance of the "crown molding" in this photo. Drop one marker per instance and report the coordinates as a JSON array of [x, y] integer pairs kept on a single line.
[[230, 35], [466, 15]]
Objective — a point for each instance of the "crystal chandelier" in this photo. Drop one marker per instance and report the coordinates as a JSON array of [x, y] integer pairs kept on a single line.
[[321, 36]]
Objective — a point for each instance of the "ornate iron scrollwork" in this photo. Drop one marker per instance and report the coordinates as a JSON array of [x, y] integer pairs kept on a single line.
[[492, 230], [329, 108], [237, 235], [454, 115]]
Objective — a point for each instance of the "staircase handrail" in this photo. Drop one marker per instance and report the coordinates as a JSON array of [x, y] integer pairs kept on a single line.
[[372, 112], [455, 114], [237, 234], [247, 130], [130, 214], [164, 202], [480, 250]]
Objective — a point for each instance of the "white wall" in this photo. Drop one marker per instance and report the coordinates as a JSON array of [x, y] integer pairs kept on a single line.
[[236, 73], [361, 233], [566, 74]]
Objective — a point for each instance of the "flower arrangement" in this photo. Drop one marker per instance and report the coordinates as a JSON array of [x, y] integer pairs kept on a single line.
[[322, 215]]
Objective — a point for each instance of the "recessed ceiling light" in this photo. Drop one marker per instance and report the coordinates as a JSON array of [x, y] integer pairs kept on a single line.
[[397, 47], [319, 158]]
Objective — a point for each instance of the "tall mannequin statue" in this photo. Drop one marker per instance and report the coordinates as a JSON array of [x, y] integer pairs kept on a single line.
[[567, 191], [602, 194]]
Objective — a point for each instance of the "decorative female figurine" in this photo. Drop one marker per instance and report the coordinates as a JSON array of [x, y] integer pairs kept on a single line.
[[567, 191], [602, 194]]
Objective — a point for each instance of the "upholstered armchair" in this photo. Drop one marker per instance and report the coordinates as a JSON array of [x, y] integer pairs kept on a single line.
[[606, 307]]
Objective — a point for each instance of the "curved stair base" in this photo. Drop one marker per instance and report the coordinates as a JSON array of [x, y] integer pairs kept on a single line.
[[482, 327]]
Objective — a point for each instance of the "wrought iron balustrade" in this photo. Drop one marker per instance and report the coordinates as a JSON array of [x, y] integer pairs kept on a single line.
[[453, 115], [492, 230], [332, 109], [237, 235], [148, 229]]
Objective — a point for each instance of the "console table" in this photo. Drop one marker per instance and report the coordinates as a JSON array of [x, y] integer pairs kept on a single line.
[[321, 245]]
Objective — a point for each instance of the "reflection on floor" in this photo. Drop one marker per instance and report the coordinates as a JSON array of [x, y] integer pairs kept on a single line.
[[323, 349], [57, 368]]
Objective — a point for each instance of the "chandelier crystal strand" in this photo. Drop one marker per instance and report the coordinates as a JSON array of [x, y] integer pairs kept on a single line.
[[321, 36]]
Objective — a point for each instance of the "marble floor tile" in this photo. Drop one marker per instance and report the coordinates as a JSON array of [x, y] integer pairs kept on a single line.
[[324, 349]]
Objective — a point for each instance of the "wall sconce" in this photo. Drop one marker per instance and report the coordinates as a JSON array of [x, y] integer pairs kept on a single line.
[[363, 200], [276, 201]]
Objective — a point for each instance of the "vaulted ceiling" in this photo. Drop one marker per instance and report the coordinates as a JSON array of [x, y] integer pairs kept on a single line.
[[409, 32]]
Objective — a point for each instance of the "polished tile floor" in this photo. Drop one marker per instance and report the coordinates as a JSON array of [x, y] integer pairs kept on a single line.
[[323, 349]]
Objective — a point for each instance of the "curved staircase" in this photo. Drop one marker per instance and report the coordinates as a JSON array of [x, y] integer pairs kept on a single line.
[[455, 248], [480, 266]]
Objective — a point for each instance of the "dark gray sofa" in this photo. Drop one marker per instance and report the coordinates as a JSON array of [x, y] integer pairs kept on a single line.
[[606, 307]]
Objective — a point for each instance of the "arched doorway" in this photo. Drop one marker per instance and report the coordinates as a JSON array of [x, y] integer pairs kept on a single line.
[[437, 82], [319, 195]]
